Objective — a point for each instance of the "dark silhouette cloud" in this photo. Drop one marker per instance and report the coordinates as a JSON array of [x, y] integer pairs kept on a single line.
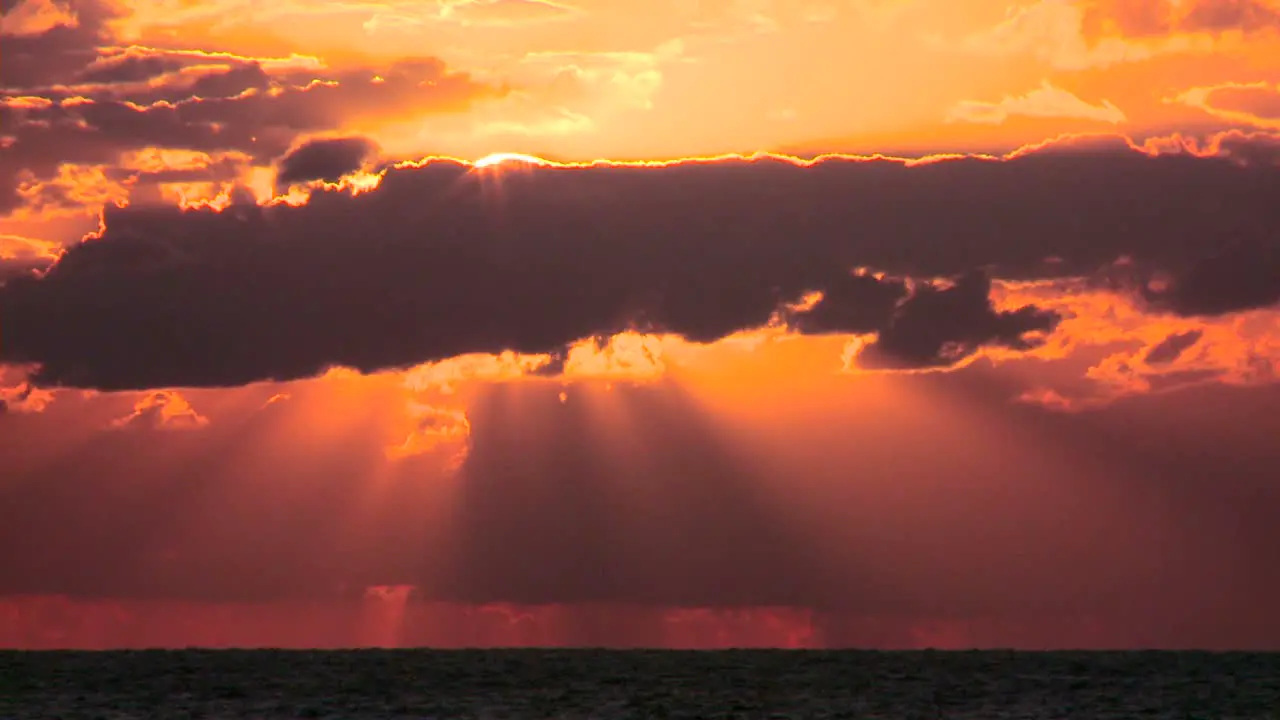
[[930, 325], [855, 302], [1172, 347], [324, 159], [444, 259], [1243, 276], [21, 267], [939, 326]]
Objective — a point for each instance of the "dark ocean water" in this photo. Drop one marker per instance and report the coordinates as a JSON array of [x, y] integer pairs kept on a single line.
[[637, 684]]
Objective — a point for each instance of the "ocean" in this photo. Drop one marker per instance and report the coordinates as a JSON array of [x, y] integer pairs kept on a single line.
[[390, 684]]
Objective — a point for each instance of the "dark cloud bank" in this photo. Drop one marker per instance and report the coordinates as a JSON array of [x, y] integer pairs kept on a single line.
[[442, 260]]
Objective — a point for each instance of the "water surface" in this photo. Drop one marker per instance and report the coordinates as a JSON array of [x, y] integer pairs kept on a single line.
[[637, 684]]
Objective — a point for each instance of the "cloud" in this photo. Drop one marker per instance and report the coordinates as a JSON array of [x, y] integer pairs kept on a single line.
[[441, 260], [1052, 31], [434, 427], [930, 324], [261, 120], [625, 356], [1258, 148], [1082, 34], [1047, 101], [884, 14], [445, 375], [35, 17], [553, 94], [162, 410], [324, 159], [1225, 15], [22, 255], [1115, 343], [72, 100], [625, 79], [1172, 347], [504, 12], [56, 53], [24, 398], [730, 20], [16, 247], [1255, 105], [1228, 280], [941, 326], [470, 15], [857, 302]]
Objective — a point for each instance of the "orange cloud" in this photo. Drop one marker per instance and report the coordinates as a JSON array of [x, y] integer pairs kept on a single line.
[[503, 12], [551, 95], [624, 356], [884, 14], [70, 189], [1246, 16], [445, 375], [1146, 18], [1074, 36], [162, 410], [101, 103], [1143, 349], [1255, 104], [1048, 100], [36, 17], [434, 427], [731, 20], [1053, 32], [156, 160], [277, 398], [24, 398], [23, 255], [25, 249], [404, 18]]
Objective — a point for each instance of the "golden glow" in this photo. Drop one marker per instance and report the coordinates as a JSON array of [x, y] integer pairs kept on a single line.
[[501, 158]]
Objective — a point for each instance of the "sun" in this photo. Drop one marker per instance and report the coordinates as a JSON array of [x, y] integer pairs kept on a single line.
[[505, 157]]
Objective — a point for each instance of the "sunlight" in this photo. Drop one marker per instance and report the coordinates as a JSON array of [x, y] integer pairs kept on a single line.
[[383, 615], [499, 158]]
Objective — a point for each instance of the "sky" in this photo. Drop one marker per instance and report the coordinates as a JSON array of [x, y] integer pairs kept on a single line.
[[675, 323]]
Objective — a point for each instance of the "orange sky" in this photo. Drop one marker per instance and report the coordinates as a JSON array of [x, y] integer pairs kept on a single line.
[[674, 78], [211, 211]]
